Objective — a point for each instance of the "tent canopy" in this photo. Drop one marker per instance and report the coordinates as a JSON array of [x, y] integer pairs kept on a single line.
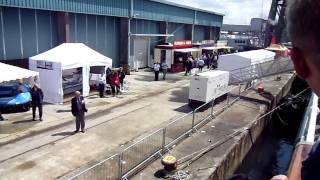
[[73, 55], [52, 63], [186, 50], [256, 56], [276, 47], [12, 73], [234, 61], [217, 47]]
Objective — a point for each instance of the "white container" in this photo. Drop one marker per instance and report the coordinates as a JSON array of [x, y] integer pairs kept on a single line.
[[207, 86]]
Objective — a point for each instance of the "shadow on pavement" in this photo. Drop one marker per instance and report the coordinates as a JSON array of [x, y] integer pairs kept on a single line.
[[63, 110], [24, 121], [181, 95], [184, 109], [67, 133]]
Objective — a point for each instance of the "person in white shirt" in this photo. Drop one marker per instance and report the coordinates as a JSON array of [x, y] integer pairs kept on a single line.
[[200, 64], [102, 84], [156, 68]]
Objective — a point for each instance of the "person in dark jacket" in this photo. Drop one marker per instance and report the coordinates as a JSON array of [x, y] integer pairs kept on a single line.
[[78, 109], [37, 101], [122, 75]]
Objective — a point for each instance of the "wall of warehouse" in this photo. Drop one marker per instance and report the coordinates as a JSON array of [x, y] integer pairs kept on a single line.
[[140, 26], [199, 34], [26, 32], [101, 33], [178, 30]]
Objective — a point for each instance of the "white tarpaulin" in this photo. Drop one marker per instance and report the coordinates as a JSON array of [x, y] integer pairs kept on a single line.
[[13, 73], [51, 63], [234, 61]]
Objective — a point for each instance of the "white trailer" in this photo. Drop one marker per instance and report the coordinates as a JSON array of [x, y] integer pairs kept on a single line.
[[239, 60], [207, 86]]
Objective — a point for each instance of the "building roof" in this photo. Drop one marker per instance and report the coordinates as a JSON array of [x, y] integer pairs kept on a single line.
[[187, 7]]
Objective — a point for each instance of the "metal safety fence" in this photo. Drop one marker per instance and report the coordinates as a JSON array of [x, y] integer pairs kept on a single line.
[[107, 169], [152, 146], [260, 70]]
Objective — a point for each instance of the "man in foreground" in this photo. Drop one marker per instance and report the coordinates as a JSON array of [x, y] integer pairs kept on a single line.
[[37, 101], [78, 108], [303, 17]]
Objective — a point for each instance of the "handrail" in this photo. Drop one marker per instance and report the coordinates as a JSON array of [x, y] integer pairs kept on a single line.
[[305, 138]]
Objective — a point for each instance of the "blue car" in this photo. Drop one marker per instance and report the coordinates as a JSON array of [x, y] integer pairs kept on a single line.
[[14, 97]]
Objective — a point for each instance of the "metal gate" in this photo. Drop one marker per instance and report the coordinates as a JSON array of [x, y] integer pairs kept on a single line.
[[141, 52]]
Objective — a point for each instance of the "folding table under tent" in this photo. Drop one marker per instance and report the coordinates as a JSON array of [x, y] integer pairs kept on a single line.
[[66, 56], [13, 73]]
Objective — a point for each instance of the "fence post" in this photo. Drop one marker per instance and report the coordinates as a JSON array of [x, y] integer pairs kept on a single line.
[[239, 89], [120, 166], [228, 98], [164, 131], [193, 116], [212, 104]]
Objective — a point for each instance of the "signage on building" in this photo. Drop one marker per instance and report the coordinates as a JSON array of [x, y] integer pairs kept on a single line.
[[182, 43]]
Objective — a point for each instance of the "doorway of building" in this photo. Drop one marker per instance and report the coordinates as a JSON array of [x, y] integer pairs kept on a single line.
[[141, 52]]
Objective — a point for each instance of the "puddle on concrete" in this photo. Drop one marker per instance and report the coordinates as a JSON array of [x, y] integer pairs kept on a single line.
[[14, 128], [26, 165]]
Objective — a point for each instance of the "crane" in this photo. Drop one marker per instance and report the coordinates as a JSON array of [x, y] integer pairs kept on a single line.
[[276, 22]]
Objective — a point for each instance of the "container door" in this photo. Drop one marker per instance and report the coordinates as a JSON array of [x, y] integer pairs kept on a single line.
[[141, 52]]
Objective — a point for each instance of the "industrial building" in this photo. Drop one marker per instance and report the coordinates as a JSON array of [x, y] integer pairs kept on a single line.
[[124, 30]]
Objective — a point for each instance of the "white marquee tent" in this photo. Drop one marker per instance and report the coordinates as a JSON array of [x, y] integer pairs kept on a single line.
[[66, 56], [13, 73], [234, 61]]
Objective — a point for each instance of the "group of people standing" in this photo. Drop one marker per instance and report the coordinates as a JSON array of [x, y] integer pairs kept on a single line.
[[115, 79], [157, 67], [209, 60]]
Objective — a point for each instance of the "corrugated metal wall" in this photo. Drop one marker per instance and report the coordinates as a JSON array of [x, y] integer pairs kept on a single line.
[[207, 19], [26, 32], [139, 26], [199, 33], [102, 7], [143, 9], [162, 12], [98, 32], [178, 30]]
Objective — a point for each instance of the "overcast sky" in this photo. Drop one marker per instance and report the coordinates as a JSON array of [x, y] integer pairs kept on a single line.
[[236, 11]]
